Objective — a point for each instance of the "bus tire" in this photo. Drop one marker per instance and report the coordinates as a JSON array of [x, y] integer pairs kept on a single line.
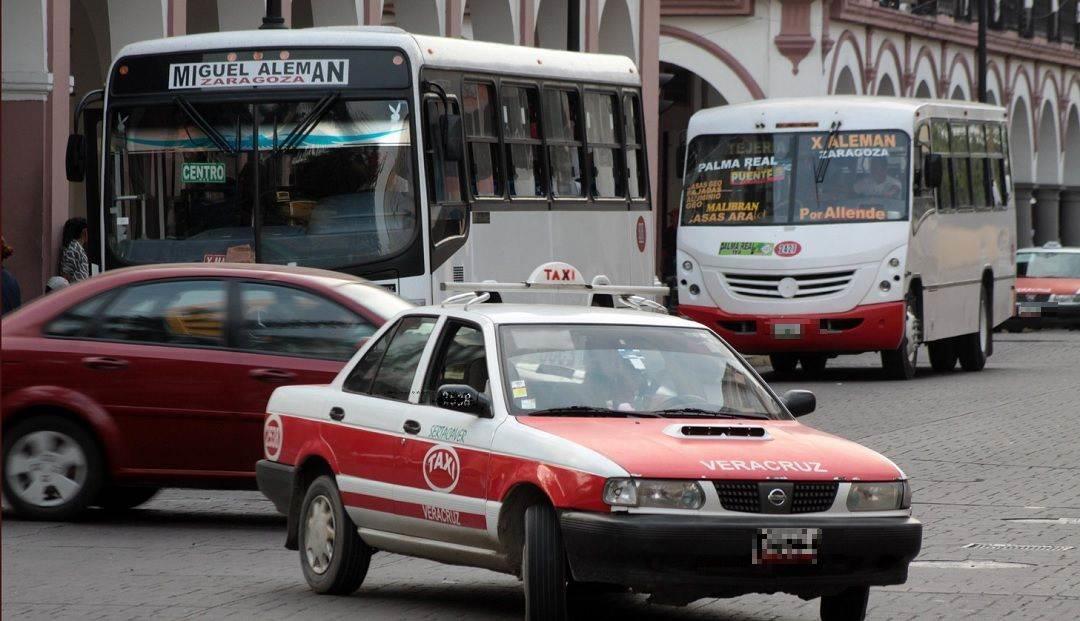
[[783, 364], [943, 355], [900, 363], [975, 348], [813, 364]]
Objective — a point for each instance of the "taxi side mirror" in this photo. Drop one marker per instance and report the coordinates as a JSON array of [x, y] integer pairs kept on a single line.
[[799, 402], [463, 398]]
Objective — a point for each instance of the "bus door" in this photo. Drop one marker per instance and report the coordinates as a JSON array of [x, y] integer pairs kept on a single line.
[[449, 213]]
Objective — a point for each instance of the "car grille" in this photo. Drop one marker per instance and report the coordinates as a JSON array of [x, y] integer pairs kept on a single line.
[[807, 497], [768, 285]]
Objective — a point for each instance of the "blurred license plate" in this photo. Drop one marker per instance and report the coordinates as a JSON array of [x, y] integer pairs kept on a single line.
[[787, 546], [1030, 311], [787, 330]]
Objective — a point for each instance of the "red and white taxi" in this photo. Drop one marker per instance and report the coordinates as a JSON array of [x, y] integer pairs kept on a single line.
[[577, 447], [1047, 287]]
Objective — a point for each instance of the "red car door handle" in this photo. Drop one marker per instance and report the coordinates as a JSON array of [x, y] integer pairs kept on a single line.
[[272, 375], [105, 363]]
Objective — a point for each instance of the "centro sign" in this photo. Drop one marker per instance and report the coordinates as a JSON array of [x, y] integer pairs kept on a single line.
[[202, 172]]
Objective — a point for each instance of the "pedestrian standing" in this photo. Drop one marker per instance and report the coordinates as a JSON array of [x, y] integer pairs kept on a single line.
[[10, 294], [74, 265]]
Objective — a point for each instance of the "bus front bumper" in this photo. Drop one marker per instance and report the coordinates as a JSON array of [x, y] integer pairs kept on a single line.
[[871, 327]]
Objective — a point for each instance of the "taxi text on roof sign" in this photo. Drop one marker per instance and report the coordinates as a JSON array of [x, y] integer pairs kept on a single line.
[[325, 72], [556, 272]]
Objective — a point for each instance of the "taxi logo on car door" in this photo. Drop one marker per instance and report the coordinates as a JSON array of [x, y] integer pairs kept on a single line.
[[272, 436], [442, 468]]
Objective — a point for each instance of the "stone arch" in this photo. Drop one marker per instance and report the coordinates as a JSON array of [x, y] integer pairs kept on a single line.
[[238, 14], [994, 84], [617, 30], [417, 16], [489, 20], [887, 68], [846, 55], [926, 74], [885, 87], [551, 26], [845, 83], [1070, 196], [704, 57], [202, 16], [1022, 145], [1047, 145], [960, 84]]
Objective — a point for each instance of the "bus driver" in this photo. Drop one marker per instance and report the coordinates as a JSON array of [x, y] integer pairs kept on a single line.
[[878, 183]]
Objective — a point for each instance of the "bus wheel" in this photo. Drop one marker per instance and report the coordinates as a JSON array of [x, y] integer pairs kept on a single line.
[[900, 363], [975, 347], [783, 364], [943, 355], [813, 364]]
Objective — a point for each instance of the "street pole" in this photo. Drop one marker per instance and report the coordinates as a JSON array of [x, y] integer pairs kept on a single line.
[[980, 48], [273, 19]]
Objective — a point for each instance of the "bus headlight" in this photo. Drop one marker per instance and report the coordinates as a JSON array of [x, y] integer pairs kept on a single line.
[[688, 266], [653, 493], [879, 496]]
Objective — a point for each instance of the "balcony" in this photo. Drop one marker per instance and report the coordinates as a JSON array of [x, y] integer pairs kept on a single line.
[[1029, 19]]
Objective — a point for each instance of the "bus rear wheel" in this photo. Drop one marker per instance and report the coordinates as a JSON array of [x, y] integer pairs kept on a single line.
[[975, 347], [943, 355]]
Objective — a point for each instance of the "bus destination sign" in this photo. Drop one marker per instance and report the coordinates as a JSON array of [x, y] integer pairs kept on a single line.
[[231, 74]]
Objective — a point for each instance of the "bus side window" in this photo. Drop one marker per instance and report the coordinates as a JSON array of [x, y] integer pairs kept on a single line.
[[525, 176], [923, 195], [940, 145], [979, 173], [602, 134], [995, 151], [482, 138], [562, 128], [449, 216], [635, 152], [960, 157]]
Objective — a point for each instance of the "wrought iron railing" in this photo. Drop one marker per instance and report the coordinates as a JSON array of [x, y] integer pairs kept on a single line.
[[1052, 20]]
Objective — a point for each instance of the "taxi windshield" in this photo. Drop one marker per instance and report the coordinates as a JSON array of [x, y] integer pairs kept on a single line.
[[609, 370], [1048, 264]]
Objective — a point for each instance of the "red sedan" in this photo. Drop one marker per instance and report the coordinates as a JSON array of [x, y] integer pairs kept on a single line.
[[158, 376]]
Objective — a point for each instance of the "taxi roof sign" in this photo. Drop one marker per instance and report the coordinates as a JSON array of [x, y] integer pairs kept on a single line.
[[556, 271]]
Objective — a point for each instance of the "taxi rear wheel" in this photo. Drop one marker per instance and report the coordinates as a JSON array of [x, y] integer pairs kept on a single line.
[[120, 498], [847, 605], [333, 557], [543, 565]]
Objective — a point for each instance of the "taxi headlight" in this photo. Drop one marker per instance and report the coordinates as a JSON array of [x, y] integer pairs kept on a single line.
[[656, 494], [879, 496]]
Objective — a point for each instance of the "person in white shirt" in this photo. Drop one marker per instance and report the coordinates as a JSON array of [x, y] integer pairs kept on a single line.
[[878, 183]]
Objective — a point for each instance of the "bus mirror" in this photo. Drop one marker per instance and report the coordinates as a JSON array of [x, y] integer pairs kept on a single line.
[[932, 170], [453, 142], [75, 158]]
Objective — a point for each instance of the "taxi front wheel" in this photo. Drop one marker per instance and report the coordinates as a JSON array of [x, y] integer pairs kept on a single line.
[[332, 555], [543, 565], [847, 605]]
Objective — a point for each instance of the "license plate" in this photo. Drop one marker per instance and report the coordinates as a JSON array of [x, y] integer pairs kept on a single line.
[[1030, 311], [787, 330], [786, 546]]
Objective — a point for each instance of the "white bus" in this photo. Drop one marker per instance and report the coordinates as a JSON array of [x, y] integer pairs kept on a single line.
[[813, 227], [410, 160]]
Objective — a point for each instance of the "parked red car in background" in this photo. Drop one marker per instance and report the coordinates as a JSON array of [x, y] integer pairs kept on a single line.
[[158, 376]]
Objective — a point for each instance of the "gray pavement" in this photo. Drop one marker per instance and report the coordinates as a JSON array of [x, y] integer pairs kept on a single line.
[[994, 458]]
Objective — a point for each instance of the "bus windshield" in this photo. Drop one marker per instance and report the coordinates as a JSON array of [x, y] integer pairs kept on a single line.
[[323, 183], [796, 178]]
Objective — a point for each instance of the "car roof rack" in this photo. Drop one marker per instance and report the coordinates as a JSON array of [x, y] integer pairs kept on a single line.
[[559, 278]]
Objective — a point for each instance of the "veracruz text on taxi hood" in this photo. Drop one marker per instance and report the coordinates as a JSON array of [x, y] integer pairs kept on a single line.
[[662, 448]]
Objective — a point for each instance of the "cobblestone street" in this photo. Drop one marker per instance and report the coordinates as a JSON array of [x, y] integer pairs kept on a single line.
[[993, 456]]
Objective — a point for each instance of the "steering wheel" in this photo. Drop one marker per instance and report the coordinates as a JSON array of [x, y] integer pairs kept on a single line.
[[675, 401]]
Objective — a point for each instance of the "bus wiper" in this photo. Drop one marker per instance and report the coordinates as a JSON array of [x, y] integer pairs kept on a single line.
[[823, 165], [703, 413], [585, 410], [200, 122], [304, 129]]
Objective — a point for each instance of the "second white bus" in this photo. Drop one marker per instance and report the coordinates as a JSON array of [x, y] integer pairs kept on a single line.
[[813, 227]]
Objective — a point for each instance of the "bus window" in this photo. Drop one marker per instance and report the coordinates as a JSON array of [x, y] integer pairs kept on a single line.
[[958, 145], [605, 153], [996, 160], [449, 221], [940, 145], [635, 152], [482, 137], [977, 145], [563, 131], [524, 149]]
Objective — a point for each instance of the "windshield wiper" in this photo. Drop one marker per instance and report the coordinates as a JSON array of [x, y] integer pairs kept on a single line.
[[305, 127], [200, 122], [585, 410], [703, 413], [823, 165]]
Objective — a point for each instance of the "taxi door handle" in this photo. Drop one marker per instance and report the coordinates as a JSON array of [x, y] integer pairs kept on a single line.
[[412, 427], [337, 413], [272, 376]]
